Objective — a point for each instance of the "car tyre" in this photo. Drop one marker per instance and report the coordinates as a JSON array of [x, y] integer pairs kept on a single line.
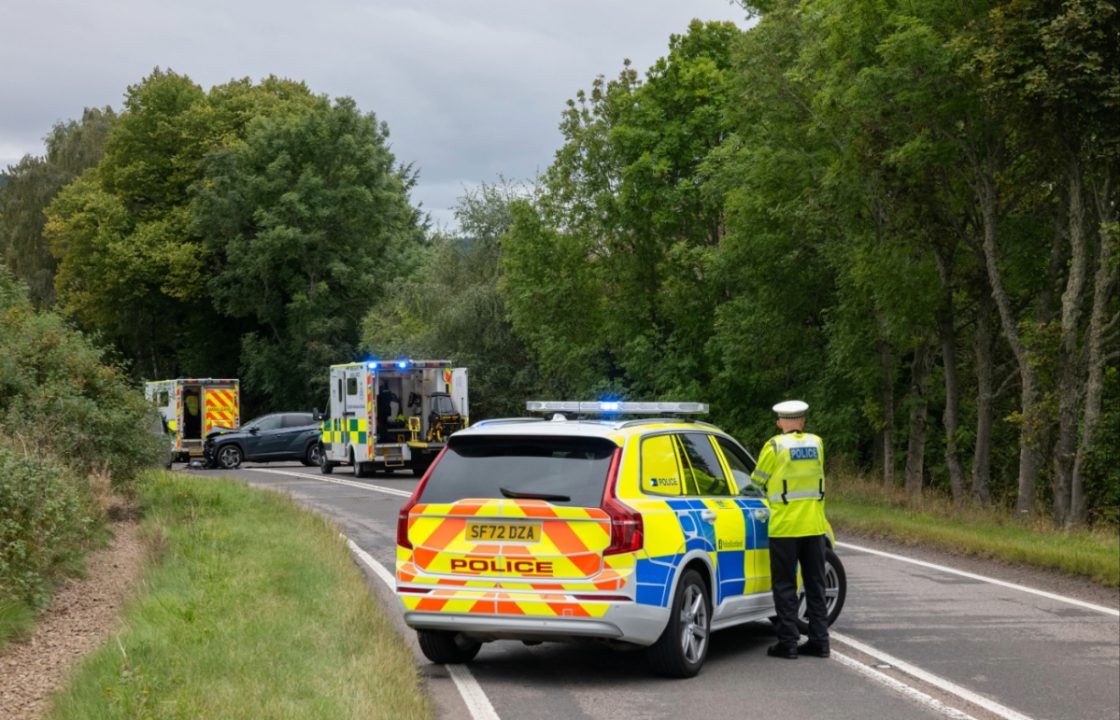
[[683, 646], [364, 470], [229, 456], [835, 591], [311, 454], [447, 648]]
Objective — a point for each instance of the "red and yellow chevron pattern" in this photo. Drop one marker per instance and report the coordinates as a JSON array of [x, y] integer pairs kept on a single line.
[[221, 409], [510, 578]]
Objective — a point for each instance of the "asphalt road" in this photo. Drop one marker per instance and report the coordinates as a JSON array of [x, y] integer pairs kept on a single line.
[[913, 641]]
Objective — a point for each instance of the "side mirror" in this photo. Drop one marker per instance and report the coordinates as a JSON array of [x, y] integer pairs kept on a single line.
[[752, 491], [316, 415], [254, 430]]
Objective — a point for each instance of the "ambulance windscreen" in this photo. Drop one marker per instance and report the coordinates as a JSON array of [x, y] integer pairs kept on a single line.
[[568, 470]]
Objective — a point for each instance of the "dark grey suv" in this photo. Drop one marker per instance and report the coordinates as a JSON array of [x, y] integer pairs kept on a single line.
[[279, 436]]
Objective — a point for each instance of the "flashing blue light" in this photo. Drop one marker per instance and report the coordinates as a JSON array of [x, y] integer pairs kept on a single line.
[[610, 406], [402, 364], [372, 364]]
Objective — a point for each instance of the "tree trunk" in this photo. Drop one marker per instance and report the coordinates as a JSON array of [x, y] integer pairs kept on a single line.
[[886, 397], [1098, 357], [919, 427], [951, 417], [1070, 375], [1030, 458], [984, 347]]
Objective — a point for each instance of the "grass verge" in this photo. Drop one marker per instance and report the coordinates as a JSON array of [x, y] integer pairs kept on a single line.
[[864, 507], [252, 608]]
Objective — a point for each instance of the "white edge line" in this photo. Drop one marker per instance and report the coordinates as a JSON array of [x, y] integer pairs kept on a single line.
[[984, 578], [336, 481], [910, 692], [942, 684], [474, 697]]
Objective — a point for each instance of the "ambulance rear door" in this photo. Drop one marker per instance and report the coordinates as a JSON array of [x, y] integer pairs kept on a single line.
[[458, 392]]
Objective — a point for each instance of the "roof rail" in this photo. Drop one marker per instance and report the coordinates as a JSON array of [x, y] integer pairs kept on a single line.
[[505, 421]]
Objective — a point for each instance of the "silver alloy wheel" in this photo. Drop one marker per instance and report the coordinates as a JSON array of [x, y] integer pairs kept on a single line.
[[831, 592], [314, 454], [229, 457], [694, 624]]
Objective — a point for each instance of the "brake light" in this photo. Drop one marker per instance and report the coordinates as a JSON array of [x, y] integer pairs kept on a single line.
[[626, 523], [402, 516]]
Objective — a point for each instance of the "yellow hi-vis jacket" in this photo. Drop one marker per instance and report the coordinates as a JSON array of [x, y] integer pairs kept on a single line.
[[791, 469]]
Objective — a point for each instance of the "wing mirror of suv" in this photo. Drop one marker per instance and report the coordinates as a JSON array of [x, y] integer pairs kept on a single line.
[[752, 491]]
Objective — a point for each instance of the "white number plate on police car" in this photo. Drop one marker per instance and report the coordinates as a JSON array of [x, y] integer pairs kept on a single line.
[[504, 532]]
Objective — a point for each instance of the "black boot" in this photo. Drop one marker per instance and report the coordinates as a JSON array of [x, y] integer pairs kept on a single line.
[[779, 650], [814, 649]]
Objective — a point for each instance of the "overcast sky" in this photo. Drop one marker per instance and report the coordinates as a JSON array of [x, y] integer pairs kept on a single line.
[[471, 90]]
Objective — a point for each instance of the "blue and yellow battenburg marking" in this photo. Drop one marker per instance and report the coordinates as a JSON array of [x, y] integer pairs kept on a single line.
[[675, 527]]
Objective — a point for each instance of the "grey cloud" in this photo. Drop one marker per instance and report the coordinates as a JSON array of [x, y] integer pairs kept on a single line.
[[470, 90]]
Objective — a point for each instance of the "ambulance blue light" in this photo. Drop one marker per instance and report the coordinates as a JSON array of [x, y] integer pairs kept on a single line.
[[372, 364], [609, 406], [402, 364]]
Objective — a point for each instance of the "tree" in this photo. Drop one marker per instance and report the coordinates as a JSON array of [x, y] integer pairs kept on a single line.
[[302, 221], [452, 306], [72, 147]]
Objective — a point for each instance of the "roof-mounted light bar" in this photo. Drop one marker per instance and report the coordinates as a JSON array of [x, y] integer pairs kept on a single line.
[[617, 407]]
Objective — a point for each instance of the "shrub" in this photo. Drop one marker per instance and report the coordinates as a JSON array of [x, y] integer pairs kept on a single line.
[[60, 399], [45, 516]]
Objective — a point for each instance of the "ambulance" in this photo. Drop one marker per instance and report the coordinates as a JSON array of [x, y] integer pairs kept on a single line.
[[192, 408], [392, 415]]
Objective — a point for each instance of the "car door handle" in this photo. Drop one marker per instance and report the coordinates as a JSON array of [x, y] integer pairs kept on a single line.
[[708, 516]]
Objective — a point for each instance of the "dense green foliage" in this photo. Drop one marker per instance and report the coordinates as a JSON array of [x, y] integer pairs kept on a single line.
[[65, 415], [31, 184], [222, 231], [890, 210], [253, 608], [44, 519], [904, 213]]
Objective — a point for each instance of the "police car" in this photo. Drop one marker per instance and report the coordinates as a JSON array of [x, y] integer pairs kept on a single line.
[[638, 532]]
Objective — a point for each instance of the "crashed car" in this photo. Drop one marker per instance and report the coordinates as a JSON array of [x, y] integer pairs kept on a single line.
[[279, 436]]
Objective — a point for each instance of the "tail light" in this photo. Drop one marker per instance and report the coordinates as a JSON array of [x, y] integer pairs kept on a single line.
[[626, 523], [402, 516]]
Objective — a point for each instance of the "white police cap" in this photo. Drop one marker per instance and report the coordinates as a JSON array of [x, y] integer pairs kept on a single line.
[[791, 409]]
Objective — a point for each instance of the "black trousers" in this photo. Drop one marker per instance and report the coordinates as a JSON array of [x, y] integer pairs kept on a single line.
[[785, 553]]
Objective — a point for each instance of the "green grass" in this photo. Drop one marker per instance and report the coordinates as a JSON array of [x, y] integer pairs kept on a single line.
[[252, 608], [16, 619], [859, 506]]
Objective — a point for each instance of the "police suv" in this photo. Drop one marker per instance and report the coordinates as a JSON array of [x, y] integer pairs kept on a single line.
[[641, 532]]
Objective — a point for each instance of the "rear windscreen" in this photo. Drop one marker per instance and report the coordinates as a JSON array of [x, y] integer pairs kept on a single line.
[[568, 470]]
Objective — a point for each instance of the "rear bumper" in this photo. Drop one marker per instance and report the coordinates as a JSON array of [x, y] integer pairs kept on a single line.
[[628, 622]]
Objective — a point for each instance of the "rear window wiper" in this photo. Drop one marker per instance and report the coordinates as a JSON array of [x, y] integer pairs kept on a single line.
[[516, 495]]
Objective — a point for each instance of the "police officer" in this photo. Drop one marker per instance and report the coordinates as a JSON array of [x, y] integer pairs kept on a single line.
[[791, 469]]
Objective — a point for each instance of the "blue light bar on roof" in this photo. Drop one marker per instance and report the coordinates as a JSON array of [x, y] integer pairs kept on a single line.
[[608, 407]]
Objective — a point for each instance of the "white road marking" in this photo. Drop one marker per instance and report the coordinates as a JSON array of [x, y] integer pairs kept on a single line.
[[984, 578], [336, 481], [938, 682], [474, 697], [911, 692]]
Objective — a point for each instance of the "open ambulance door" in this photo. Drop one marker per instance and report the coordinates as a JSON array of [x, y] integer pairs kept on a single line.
[[458, 392]]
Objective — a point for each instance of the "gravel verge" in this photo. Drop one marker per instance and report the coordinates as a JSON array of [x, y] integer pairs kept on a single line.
[[82, 613]]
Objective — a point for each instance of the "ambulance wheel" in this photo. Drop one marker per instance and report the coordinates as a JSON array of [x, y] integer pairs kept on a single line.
[[363, 470], [683, 645], [447, 648], [229, 457], [835, 591]]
